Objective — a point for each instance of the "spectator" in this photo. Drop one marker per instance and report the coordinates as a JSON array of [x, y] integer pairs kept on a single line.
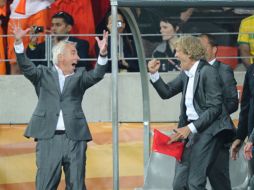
[[168, 30], [246, 122], [3, 12], [126, 47], [31, 13], [58, 123], [219, 174], [202, 116], [61, 24], [246, 40]]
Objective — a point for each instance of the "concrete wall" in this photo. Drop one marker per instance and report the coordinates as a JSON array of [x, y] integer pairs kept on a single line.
[[18, 100]]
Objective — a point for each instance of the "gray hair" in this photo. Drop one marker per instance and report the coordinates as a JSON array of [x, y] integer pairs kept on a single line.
[[59, 49]]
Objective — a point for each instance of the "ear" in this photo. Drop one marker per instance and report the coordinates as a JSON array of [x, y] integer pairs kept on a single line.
[[177, 28], [60, 58], [215, 50], [69, 27]]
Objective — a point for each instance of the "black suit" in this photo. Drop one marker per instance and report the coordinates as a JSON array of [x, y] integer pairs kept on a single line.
[[213, 119], [246, 119], [81, 45], [219, 174]]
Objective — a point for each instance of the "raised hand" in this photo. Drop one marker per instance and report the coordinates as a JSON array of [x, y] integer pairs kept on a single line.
[[103, 44], [19, 33], [153, 66]]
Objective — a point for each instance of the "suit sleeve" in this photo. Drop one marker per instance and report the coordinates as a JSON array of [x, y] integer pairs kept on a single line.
[[30, 71], [89, 78], [242, 130], [170, 89], [230, 96]]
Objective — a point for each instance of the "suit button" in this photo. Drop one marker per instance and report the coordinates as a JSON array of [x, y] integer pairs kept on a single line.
[[57, 114]]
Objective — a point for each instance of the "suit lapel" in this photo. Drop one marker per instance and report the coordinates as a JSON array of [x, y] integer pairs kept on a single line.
[[66, 83], [197, 75], [56, 79]]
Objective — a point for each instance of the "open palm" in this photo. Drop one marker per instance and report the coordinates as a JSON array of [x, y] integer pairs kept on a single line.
[[19, 33], [103, 44]]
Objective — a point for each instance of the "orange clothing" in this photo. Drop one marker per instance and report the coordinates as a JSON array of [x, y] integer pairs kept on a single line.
[[2, 54], [3, 12], [82, 13], [39, 19]]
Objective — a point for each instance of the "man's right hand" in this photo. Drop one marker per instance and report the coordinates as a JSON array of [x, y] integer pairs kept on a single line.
[[153, 66], [235, 147], [19, 33]]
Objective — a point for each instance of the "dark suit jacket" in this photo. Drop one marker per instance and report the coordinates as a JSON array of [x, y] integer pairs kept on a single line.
[[229, 90], [50, 99], [230, 95], [82, 48], [207, 99], [246, 116]]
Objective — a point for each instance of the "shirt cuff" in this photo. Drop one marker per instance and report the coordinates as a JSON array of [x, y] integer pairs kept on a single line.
[[192, 128], [154, 77], [19, 48], [102, 60]]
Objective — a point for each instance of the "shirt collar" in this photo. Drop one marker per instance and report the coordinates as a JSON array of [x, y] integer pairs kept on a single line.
[[60, 72], [212, 62], [191, 73]]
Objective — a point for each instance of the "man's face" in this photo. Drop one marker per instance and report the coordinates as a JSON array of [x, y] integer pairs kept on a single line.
[[210, 50], [186, 62], [68, 60], [167, 30], [58, 26]]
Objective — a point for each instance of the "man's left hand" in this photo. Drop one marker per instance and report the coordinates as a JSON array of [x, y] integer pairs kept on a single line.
[[103, 44], [180, 134]]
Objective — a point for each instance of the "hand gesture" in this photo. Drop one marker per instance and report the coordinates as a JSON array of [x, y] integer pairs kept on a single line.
[[235, 147], [180, 134], [153, 66], [103, 44], [248, 150], [19, 33]]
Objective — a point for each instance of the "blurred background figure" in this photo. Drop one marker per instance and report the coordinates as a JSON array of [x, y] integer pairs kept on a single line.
[[246, 40], [168, 29], [126, 47], [26, 13], [61, 24], [3, 21], [86, 14]]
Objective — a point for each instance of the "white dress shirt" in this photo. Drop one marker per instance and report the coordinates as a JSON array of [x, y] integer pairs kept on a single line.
[[212, 62], [190, 110]]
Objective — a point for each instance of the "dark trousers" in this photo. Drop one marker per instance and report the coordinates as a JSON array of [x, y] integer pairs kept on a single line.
[[197, 159], [219, 174], [56, 153]]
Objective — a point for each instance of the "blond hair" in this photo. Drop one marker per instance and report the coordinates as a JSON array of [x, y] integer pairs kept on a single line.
[[191, 45]]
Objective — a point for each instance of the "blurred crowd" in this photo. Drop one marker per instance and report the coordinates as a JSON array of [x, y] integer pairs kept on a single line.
[[82, 20]]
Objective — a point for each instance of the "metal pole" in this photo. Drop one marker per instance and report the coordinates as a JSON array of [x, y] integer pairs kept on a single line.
[[115, 95], [144, 81]]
